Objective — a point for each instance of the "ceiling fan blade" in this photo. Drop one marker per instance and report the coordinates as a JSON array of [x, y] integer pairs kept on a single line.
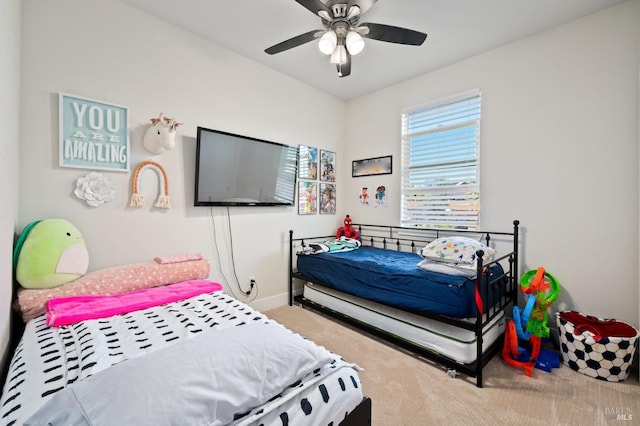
[[344, 70], [392, 34], [314, 6], [293, 42]]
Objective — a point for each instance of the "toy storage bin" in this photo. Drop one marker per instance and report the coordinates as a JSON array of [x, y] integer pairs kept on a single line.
[[600, 348]]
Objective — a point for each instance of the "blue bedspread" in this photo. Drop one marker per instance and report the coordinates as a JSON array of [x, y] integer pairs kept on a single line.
[[393, 278]]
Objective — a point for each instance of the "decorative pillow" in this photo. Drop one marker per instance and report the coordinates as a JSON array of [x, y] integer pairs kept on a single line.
[[49, 253], [456, 250], [114, 280]]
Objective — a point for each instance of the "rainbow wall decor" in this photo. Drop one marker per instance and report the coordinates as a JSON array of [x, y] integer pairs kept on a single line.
[[137, 199]]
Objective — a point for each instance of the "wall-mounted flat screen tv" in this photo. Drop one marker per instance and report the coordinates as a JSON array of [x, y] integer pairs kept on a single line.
[[236, 170]]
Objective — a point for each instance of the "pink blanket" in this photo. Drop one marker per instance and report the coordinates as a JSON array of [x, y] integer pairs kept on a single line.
[[115, 280], [70, 310]]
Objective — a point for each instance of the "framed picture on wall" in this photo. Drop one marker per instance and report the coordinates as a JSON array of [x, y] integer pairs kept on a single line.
[[308, 162], [327, 166], [327, 198], [307, 197], [371, 166], [93, 134]]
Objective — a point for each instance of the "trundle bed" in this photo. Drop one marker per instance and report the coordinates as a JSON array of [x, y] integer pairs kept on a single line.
[[203, 358], [451, 313]]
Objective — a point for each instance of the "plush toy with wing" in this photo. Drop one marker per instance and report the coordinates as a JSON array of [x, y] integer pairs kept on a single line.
[[49, 253]]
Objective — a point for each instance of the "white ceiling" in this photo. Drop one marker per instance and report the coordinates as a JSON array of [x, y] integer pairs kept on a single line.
[[457, 29]]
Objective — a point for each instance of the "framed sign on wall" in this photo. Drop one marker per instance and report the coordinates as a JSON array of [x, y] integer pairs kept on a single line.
[[93, 134]]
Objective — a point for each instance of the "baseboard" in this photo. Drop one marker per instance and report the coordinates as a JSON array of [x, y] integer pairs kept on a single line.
[[272, 302]]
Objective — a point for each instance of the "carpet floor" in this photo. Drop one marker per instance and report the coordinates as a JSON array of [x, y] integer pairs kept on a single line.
[[407, 390]]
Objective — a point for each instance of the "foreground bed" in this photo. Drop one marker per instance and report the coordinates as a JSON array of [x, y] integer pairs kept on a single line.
[[456, 319], [207, 359]]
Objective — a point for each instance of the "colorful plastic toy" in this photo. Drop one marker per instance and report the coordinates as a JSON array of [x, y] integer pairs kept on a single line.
[[548, 360], [517, 356], [534, 283], [541, 289]]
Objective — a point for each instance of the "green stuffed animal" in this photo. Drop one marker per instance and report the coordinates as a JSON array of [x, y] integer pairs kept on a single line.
[[49, 253]]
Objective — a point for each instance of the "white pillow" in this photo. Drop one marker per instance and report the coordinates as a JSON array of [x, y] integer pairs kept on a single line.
[[462, 269], [461, 250], [205, 380]]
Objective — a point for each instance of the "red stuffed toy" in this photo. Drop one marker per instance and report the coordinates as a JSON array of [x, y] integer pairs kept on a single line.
[[347, 230]]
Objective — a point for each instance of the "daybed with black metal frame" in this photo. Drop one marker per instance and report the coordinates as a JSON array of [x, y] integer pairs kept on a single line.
[[456, 320]]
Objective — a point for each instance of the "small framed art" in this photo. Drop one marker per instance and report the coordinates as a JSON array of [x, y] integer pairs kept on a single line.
[[308, 162], [307, 197], [327, 166], [371, 166], [327, 198]]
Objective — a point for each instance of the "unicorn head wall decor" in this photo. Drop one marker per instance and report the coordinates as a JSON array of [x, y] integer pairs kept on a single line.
[[161, 135]]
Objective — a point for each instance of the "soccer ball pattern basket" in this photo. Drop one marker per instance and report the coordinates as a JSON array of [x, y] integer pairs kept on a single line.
[[600, 348]]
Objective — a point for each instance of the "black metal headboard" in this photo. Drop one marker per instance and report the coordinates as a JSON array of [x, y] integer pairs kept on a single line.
[[413, 239]]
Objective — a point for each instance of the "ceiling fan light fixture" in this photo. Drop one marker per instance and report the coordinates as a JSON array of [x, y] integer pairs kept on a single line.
[[342, 33], [328, 42], [355, 42], [353, 11], [324, 15], [339, 56]]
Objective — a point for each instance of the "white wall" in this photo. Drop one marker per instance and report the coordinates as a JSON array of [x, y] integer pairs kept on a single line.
[[559, 151], [9, 111], [108, 51]]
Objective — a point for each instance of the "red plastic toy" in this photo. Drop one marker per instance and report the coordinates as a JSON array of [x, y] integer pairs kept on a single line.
[[347, 230], [516, 356]]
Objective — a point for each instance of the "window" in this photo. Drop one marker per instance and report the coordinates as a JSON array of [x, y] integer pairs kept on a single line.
[[440, 164]]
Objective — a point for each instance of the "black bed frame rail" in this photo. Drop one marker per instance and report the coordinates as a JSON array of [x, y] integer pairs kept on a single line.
[[496, 294]]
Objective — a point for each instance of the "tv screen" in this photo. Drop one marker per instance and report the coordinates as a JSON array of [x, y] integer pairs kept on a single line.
[[236, 170]]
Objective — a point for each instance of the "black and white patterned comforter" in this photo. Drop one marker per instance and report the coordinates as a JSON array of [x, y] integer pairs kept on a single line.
[[49, 359]]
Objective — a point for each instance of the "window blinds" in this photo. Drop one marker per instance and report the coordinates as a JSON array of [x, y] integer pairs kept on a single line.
[[440, 164]]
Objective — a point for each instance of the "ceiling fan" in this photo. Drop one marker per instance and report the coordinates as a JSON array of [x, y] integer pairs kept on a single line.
[[343, 33]]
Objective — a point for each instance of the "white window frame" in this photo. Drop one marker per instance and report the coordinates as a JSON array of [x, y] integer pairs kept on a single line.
[[440, 185]]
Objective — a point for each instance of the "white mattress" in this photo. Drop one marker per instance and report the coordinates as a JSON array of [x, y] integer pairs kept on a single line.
[[445, 339]]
